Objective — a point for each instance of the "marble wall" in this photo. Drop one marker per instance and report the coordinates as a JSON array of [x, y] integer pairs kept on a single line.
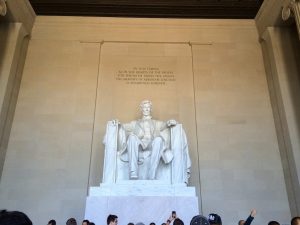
[[68, 92], [13, 46], [278, 27], [132, 72], [281, 53]]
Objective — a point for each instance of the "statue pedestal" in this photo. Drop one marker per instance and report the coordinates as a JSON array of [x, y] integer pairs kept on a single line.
[[141, 201]]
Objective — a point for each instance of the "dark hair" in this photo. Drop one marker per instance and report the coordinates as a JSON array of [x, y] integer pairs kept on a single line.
[[86, 221], [71, 221], [52, 222], [111, 218], [178, 221], [152, 223], [294, 220], [273, 223], [91, 223], [130, 223], [241, 222], [199, 219], [14, 218]]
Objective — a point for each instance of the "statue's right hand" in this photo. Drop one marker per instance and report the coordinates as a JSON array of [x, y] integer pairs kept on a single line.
[[115, 122]]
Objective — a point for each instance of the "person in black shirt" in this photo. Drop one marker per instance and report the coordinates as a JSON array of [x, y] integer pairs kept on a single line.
[[249, 219]]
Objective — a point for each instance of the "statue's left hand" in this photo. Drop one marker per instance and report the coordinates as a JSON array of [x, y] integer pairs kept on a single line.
[[171, 123], [115, 122]]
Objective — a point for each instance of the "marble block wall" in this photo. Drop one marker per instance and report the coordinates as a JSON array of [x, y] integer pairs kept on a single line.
[[280, 47], [220, 95], [47, 160], [144, 209], [146, 198]]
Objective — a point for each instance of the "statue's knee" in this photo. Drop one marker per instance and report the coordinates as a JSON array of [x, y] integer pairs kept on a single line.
[[158, 140], [132, 137], [133, 140]]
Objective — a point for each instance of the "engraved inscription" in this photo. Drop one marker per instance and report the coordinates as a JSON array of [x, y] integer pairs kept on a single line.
[[145, 75]]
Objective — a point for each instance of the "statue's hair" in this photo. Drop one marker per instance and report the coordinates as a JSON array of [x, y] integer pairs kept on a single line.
[[144, 102]]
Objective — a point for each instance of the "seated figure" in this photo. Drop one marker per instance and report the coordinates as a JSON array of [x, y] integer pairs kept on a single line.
[[146, 139]]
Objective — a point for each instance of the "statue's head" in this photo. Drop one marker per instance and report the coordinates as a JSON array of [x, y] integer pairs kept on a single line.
[[146, 107]]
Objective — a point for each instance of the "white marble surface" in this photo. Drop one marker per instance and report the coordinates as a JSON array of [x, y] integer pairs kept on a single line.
[[151, 149], [144, 209], [141, 201], [142, 188]]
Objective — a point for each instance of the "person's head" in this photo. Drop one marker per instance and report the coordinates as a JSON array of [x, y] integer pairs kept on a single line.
[[85, 222], [241, 222], [295, 221], [130, 223], [152, 223], [71, 221], [163, 224], [14, 218], [214, 219], [112, 220], [52, 222], [199, 219], [146, 107], [91, 223], [273, 223], [178, 221]]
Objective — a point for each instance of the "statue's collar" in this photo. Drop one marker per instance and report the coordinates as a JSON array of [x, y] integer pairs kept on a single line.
[[147, 118]]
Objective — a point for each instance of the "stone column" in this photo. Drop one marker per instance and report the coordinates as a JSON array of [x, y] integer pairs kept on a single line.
[[283, 81], [292, 7], [15, 32], [2, 8], [280, 45]]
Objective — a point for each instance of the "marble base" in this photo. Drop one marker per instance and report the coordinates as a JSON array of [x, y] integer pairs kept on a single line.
[[142, 188], [141, 201], [144, 209]]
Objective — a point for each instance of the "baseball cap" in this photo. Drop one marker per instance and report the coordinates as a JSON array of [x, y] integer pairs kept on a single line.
[[214, 219]]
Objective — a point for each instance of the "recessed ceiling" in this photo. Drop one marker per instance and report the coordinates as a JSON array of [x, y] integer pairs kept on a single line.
[[227, 9]]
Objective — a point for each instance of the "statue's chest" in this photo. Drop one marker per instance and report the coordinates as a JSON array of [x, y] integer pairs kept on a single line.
[[147, 127]]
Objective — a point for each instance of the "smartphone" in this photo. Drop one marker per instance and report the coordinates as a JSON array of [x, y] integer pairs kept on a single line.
[[174, 214]]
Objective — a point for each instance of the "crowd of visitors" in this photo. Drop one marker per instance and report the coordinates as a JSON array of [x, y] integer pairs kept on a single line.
[[19, 218]]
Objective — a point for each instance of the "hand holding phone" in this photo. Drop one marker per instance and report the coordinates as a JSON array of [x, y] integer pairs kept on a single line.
[[173, 214]]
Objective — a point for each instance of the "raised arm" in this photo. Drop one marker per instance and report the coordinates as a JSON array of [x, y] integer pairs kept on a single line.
[[250, 217]]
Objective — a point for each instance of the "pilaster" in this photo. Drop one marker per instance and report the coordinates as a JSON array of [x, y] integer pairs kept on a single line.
[[17, 18], [279, 42]]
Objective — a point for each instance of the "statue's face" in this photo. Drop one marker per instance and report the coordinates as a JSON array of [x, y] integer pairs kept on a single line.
[[146, 109]]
